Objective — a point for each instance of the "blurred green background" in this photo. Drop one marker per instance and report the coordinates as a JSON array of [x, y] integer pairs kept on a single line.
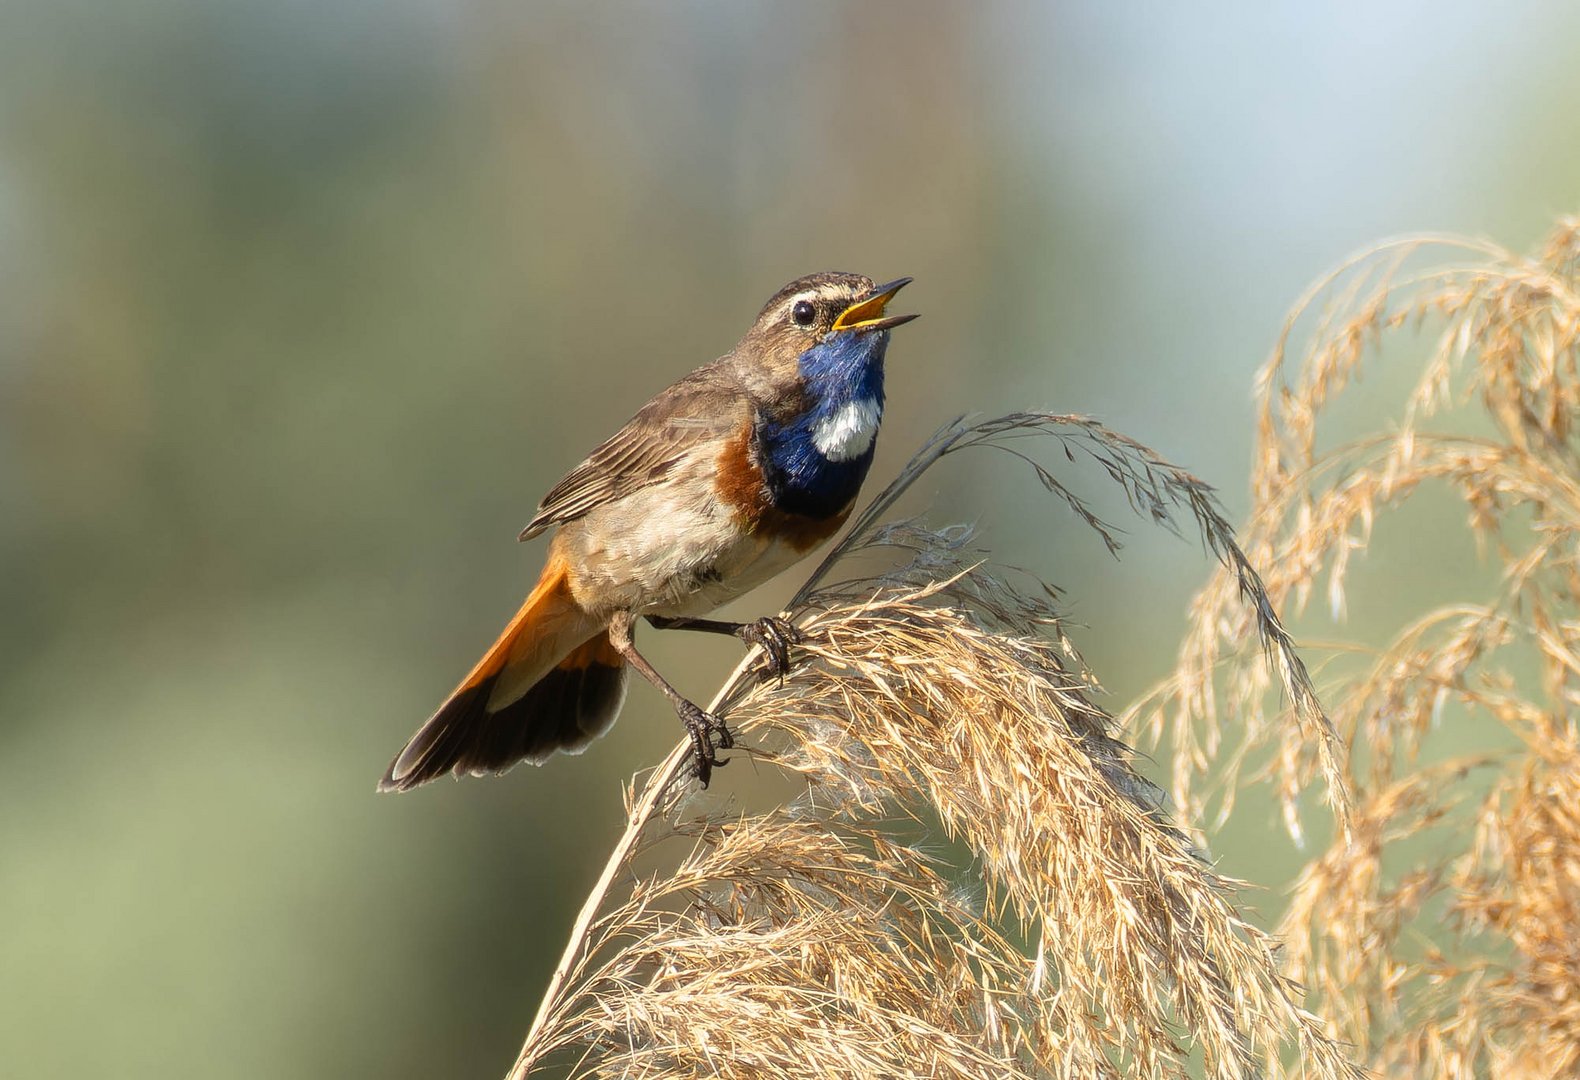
[[304, 305]]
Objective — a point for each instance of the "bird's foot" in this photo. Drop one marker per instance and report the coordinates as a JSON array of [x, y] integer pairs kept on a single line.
[[709, 735], [775, 636]]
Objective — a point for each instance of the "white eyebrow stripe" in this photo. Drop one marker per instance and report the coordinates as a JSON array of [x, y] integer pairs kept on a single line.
[[821, 294], [849, 431]]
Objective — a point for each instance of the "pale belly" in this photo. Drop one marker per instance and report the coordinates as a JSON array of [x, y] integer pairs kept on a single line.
[[670, 549], [754, 564]]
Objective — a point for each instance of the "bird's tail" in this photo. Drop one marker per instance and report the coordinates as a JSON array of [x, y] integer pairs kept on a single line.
[[551, 682]]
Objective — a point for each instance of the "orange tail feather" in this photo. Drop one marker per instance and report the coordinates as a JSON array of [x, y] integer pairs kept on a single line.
[[551, 682]]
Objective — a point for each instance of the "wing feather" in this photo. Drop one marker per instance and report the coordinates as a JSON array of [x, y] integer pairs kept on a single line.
[[705, 405]]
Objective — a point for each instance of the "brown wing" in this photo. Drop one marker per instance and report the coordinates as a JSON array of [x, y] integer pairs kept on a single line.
[[705, 405]]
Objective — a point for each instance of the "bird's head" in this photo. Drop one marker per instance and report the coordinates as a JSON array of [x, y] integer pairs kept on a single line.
[[828, 312]]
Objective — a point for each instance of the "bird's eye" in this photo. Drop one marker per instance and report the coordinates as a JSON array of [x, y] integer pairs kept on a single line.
[[803, 313]]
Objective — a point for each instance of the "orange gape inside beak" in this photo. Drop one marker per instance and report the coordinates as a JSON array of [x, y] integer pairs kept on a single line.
[[868, 314]]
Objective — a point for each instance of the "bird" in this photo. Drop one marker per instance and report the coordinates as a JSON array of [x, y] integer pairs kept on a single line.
[[721, 481]]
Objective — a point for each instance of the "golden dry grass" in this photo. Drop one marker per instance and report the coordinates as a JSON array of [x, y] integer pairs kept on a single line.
[[1438, 935], [974, 880]]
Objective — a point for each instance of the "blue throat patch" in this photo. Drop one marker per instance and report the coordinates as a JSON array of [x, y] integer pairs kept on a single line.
[[841, 375]]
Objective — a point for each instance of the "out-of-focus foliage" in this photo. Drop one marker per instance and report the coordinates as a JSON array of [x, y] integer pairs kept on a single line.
[[303, 305], [1435, 930]]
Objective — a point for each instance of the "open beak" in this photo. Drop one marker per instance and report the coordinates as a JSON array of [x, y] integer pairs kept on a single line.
[[867, 313]]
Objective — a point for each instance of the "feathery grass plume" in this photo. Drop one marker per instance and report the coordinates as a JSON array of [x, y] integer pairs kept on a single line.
[[831, 935], [1442, 941]]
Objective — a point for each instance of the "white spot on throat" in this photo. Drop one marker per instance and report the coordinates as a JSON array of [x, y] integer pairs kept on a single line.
[[848, 431]]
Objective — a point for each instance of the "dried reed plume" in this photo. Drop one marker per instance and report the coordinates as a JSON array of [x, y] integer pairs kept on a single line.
[[1442, 941], [939, 728]]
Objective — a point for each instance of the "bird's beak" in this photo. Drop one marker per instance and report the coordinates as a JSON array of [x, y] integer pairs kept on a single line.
[[867, 313]]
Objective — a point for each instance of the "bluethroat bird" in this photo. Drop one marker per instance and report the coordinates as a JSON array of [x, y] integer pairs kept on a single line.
[[717, 484]]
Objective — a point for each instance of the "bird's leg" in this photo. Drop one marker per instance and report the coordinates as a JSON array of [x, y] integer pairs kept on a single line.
[[774, 634], [703, 726]]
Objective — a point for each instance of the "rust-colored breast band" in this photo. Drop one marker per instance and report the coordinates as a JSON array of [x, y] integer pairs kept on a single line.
[[739, 479]]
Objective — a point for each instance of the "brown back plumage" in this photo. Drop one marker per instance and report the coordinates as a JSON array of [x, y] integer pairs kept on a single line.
[[761, 372], [704, 405]]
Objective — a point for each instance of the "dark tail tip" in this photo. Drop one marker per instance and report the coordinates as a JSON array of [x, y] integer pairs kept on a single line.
[[563, 711]]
